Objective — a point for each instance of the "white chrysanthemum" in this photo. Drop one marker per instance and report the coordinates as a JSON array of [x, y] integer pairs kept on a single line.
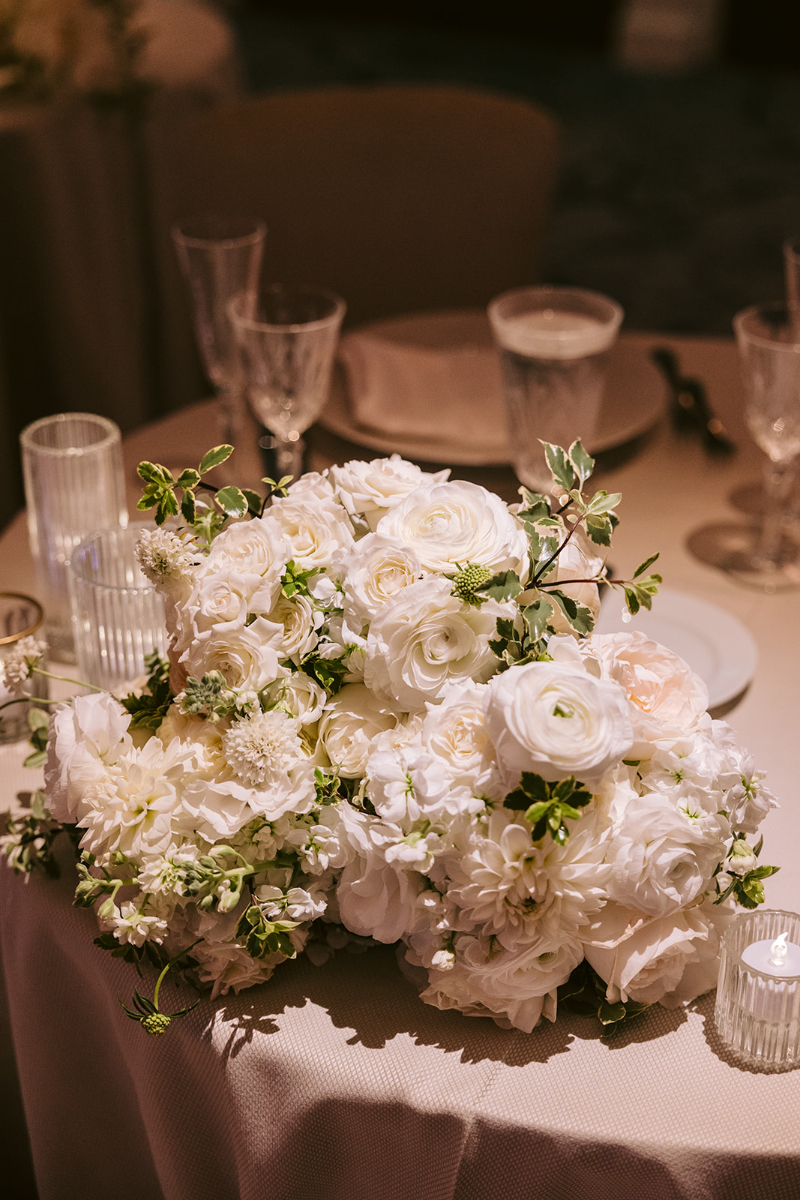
[[165, 558], [262, 748], [19, 663]]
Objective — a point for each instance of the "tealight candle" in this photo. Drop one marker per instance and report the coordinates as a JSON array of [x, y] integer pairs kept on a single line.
[[758, 993]]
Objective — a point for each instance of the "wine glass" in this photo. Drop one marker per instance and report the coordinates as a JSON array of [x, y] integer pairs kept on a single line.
[[220, 256], [287, 338]]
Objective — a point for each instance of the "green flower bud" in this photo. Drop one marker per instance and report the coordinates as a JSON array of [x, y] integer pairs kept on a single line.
[[468, 580], [155, 1024]]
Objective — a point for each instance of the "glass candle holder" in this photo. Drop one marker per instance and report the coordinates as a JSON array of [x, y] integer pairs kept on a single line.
[[74, 484], [117, 616], [758, 993], [20, 617]]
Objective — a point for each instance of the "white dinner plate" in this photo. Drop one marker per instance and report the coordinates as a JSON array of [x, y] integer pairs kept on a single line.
[[715, 644], [634, 398]]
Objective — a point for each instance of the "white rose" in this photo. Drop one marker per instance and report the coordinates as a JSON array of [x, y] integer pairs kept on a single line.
[[246, 656], [424, 639], [252, 549], [86, 739], [300, 621], [448, 524], [311, 486], [370, 488], [218, 601], [350, 722], [667, 698], [662, 856], [455, 732], [671, 960], [377, 568], [556, 720], [299, 696], [315, 528]]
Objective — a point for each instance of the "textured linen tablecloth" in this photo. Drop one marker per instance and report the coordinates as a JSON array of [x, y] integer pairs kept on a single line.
[[335, 1081]]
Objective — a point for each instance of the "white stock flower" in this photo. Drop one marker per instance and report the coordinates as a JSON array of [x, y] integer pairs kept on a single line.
[[166, 559], [748, 800], [377, 568], [18, 664], [557, 720], [452, 524], [87, 738], [351, 721], [315, 528], [130, 924], [663, 857], [667, 698], [370, 488], [425, 639]]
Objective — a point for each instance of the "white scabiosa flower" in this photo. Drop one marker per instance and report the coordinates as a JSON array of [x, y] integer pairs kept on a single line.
[[165, 558]]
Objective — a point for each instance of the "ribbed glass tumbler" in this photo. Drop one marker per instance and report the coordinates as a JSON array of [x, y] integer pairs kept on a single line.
[[74, 485], [117, 616], [757, 1011]]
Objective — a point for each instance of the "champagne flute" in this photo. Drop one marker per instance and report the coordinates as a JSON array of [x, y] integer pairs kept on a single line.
[[287, 338]]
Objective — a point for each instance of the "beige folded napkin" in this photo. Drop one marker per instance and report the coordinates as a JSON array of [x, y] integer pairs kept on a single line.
[[436, 377]]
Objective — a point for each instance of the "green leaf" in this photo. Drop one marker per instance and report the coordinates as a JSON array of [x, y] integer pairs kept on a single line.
[[189, 507], [188, 478], [581, 461], [254, 502], [37, 759], [38, 719], [536, 616], [560, 466], [599, 529], [535, 786], [148, 472], [611, 1014], [602, 503], [207, 526], [167, 507], [232, 501], [213, 458], [503, 586], [579, 616], [648, 562]]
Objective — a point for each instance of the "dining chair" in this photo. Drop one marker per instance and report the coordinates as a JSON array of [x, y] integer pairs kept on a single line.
[[401, 198]]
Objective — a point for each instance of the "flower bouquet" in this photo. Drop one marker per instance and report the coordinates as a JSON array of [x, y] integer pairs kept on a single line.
[[385, 716]]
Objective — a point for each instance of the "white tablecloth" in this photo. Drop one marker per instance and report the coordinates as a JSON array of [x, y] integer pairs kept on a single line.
[[336, 1081]]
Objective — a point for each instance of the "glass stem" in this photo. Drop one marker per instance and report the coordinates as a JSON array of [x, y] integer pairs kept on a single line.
[[289, 457], [778, 482]]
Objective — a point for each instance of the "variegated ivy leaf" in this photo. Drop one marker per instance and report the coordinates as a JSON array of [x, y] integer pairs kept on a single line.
[[581, 461], [560, 466]]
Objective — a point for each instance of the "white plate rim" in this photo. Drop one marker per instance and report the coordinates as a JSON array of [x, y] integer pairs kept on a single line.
[[337, 419], [734, 645]]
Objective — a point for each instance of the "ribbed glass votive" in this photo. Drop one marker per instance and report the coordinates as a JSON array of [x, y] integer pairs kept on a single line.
[[758, 1011], [117, 616]]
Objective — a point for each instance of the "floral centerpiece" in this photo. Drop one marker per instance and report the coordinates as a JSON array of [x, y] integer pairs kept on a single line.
[[385, 716]]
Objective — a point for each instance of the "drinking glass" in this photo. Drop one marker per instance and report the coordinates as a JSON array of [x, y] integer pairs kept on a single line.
[[118, 616], [553, 344], [20, 617], [74, 484], [287, 338], [769, 352], [220, 256]]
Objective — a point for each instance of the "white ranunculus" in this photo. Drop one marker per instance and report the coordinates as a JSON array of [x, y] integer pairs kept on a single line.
[[425, 639], [352, 719], [667, 698], [86, 739], [377, 568], [662, 856], [311, 486], [315, 528], [557, 720], [370, 488], [452, 524], [671, 959]]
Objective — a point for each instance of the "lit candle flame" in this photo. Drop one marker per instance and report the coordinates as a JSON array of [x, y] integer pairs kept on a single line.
[[778, 951]]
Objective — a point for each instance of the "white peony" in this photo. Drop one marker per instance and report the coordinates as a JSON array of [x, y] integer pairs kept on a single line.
[[557, 720], [667, 698], [376, 899], [425, 639], [351, 721], [452, 524], [86, 739]]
